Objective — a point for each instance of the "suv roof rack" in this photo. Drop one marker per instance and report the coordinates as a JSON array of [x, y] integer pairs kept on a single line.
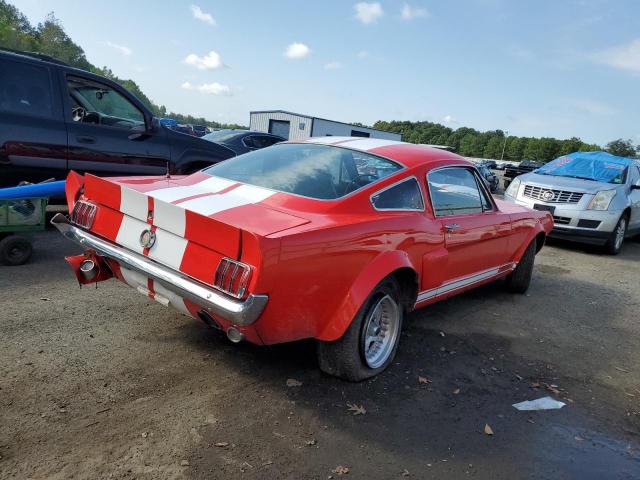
[[36, 55]]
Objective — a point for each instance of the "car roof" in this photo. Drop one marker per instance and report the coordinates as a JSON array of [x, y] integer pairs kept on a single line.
[[408, 154]]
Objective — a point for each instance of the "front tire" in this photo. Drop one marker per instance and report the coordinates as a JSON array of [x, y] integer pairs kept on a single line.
[[615, 241], [370, 343], [519, 280]]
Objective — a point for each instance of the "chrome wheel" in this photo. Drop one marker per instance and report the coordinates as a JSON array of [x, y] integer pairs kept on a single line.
[[621, 231], [380, 332]]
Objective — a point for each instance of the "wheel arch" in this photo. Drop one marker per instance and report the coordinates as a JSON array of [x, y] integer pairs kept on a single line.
[[395, 263]]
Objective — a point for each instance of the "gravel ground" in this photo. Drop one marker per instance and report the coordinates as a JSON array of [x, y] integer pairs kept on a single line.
[[104, 383]]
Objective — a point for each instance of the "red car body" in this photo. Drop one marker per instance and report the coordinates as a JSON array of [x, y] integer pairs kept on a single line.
[[311, 263]]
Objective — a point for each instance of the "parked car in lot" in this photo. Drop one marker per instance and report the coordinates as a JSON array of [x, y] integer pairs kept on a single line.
[[594, 197], [512, 171], [335, 238], [491, 178], [243, 141], [200, 130], [55, 118]]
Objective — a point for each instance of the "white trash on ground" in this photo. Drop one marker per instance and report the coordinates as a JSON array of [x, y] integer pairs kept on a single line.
[[544, 403]]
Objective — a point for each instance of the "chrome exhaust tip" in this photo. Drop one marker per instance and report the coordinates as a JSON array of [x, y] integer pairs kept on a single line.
[[89, 269], [234, 335]]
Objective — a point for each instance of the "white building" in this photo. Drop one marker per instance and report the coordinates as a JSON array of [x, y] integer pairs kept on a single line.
[[294, 126]]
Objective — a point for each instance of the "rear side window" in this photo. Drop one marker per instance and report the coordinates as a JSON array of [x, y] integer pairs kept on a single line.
[[25, 89], [455, 191], [401, 196], [314, 171]]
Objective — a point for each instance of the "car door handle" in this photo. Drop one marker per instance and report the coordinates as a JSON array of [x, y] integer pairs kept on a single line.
[[85, 139], [450, 227]]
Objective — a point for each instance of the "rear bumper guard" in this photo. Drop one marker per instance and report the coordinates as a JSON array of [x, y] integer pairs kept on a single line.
[[239, 312]]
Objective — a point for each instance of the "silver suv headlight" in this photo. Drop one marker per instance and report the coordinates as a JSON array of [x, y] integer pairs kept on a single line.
[[512, 189], [602, 200]]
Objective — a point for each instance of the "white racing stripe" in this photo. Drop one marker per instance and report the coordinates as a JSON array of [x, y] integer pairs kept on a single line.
[[168, 249], [129, 233], [243, 195], [169, 217], [367, 144], [140, 282], [133, 203], [210, 185], [328, 140]]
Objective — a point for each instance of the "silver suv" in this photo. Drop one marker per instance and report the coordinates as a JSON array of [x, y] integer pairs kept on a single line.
[[594, 197]]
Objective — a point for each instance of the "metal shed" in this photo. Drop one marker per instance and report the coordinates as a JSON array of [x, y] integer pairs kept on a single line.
[[296, 126]]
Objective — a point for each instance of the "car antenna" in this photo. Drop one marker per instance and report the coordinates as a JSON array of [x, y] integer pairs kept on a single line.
[[168, 174]]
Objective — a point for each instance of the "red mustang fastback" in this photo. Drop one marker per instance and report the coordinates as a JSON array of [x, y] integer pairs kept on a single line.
[[333, 238]]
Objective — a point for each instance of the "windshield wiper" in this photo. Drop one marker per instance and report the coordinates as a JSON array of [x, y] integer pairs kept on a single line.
[[582, 178]]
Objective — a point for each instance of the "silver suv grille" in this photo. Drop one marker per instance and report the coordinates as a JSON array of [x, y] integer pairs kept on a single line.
[[551, 196]]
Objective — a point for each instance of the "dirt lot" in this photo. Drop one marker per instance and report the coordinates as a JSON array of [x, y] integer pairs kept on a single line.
[[103, 383]]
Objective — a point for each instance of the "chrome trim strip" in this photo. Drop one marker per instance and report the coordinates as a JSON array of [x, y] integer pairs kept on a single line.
[[237, 312], [464, 282]]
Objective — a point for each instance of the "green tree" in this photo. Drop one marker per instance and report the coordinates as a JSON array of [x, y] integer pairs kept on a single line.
[[622, 148]]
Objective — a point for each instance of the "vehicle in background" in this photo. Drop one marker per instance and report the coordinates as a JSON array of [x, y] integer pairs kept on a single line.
[[168, 122], [243, 141], [491, 178], [594, 197], [492, 164], [55, 118], [503, 165], [525, 166], [200, 130], [183, 128], [334, 239]]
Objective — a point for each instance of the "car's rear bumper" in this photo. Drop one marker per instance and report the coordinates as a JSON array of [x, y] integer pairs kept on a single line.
[[238, 312]]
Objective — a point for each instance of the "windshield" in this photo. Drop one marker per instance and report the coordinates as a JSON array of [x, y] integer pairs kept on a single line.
[[610, 170], [314, 171], [221, 135]]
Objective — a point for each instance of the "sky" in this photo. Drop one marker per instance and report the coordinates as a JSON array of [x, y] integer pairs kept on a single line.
[[558, 68]]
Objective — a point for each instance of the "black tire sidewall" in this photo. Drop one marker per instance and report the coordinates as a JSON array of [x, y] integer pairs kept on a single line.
[[11, 242], [611, 243]]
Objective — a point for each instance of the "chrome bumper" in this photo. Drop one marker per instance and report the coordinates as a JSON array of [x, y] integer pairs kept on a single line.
[[241, 313]]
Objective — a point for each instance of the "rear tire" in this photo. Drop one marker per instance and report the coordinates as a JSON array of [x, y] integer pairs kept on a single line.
[[519, 280], [15, 250], [616, 239], [370, 343]]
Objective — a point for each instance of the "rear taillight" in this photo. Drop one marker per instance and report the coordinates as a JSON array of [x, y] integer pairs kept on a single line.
[[83, 214], [232, 277]]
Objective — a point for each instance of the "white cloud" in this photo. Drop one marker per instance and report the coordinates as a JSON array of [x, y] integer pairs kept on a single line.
[[411, 13], [297, 50], [333, 66], [368, 13], [198, 14], [126, 51], [623, 57], [521, 53], [450, 119], [363, 54], [214, 88], [210, 61], [593, 107]]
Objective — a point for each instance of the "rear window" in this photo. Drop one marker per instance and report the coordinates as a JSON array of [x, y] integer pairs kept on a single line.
[[315, 171]]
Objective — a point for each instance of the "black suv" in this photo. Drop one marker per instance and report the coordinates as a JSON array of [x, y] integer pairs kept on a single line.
[[55, 118]]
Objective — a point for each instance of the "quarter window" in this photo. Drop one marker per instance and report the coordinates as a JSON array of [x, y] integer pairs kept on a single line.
[[402, 196], [454, 191], [25, 89]]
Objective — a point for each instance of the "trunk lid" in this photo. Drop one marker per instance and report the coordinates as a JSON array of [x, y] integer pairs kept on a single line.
[[208, 211]]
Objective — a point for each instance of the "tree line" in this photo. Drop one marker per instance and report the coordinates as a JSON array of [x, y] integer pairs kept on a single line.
[[496, 144], [49, 38]]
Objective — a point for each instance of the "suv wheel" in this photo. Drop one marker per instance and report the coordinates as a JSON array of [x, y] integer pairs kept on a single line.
[[615, 241]]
